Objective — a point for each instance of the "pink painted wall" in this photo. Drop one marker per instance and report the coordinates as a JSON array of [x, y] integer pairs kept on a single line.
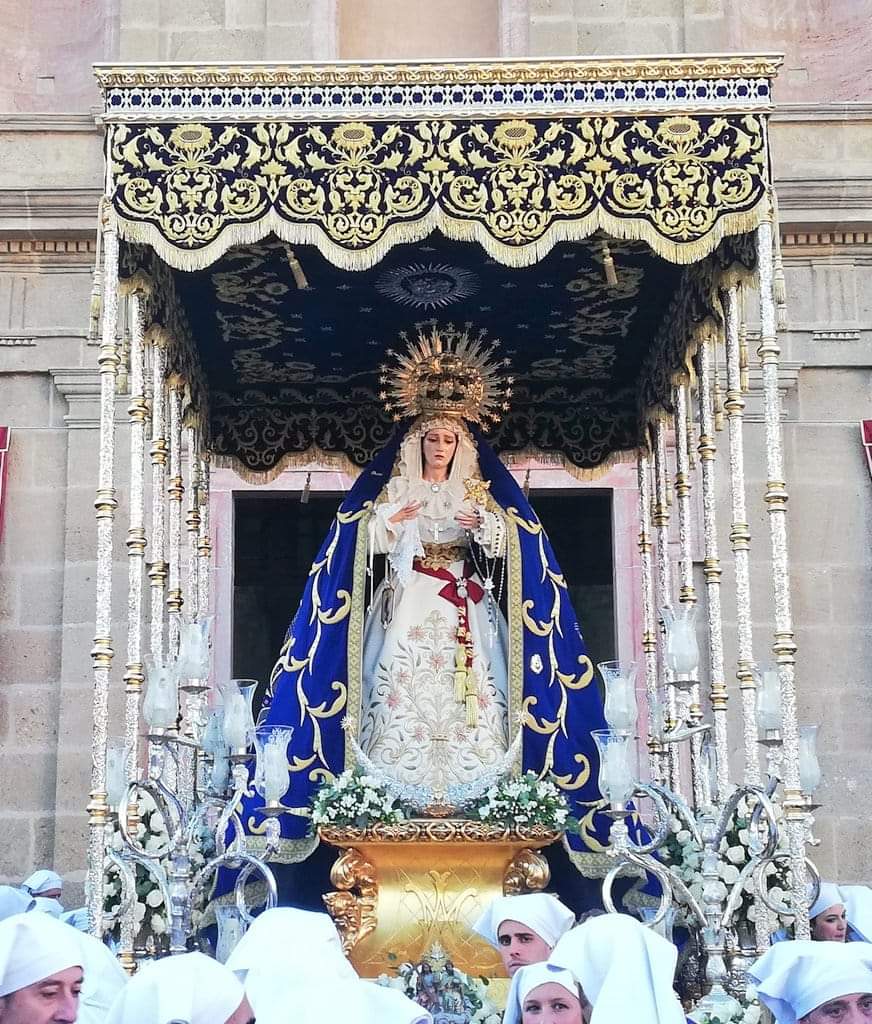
[[47, 51]]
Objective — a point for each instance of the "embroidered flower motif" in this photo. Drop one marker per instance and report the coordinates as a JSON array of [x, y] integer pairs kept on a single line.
[[352, 136], [536, 664], [515, 136], [190, 137]]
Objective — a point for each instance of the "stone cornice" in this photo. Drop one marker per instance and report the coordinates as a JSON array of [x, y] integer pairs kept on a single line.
[[26, 213], [815, 112], [48, 253], [80, 387], [84, 122]]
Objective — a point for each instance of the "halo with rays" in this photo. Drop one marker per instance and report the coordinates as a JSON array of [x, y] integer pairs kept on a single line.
[[449, 372]]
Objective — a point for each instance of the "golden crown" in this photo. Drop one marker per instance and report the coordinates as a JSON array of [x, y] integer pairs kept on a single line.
[[446, 372]]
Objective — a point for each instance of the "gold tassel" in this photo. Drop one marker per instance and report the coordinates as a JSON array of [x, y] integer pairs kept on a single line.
[[471, 701], [719, 407], [460, 673], [609, 267], [691, 456], [717, 394], [304, 496], [300, 279]]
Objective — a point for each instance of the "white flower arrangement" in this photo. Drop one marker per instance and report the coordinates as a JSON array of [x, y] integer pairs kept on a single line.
[[737, 847], [523, 801], [150, 914], [355, 799]]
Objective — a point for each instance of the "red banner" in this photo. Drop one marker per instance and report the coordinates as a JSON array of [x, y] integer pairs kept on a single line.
[[5, 435]]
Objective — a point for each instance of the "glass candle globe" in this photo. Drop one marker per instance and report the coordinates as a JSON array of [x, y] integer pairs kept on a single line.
[[768, 700], [161, 704], [682, 648], [617, 773], [238, 717], [272, 775], [621, 710]]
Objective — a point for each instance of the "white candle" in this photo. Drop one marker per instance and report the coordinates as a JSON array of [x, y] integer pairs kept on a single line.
[[275, 766], [235, 721]]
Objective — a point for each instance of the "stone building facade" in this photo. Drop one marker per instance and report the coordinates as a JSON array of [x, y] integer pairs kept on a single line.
[[50, 179]]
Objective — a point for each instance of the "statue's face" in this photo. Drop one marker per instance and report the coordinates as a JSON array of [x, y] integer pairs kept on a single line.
[[520, 945], [439, 447], [831, 925], [551, 1004]]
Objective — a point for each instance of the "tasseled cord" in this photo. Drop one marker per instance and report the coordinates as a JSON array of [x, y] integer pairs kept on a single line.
[[300, 279], [779, 285], [609, 267], [307, 490], [526, 487]]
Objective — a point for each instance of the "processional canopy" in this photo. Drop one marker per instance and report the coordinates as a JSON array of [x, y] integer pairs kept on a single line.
[[297, 219]]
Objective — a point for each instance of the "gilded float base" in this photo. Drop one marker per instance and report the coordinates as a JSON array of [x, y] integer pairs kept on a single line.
[[403, 889]]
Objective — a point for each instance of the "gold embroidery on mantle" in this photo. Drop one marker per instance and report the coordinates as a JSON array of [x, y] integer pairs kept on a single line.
[[680, 183]]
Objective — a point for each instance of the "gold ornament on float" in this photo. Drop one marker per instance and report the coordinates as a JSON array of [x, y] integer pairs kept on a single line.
[[449, 373]]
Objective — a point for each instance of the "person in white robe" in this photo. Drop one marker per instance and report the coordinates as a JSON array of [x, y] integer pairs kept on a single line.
[[295, 943], [545, 994], [47, 888], [524, 929], [41, 970], [827, 915], [190, 988], [434, 710], [350, 1001], [626, 970], [14, 901], [858, 911], [802, 982]]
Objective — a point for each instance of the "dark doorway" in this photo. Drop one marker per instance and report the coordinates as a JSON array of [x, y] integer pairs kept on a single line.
[[277, 538]]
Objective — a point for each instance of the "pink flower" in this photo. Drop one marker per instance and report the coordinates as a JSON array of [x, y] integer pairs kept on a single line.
[[393, 700], [416, 634], [437, 661]]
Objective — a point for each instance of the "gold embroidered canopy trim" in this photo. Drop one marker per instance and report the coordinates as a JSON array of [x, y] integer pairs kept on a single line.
[[516, 156]]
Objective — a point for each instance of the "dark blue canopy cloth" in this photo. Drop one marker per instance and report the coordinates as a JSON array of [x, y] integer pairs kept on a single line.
[[316, 685]]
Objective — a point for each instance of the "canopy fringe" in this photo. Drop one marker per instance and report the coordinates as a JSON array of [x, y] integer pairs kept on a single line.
[[514, 256]]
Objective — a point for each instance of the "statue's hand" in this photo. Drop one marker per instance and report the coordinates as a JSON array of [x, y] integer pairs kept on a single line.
[[409, 511], [468, 520]]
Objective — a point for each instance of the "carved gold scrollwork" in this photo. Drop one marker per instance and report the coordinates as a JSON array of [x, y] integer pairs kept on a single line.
[[527, 872], [353, 907]]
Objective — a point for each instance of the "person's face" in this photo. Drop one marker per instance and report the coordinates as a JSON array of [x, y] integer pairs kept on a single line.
[[243, 1015], [831, 925], [551, 1004], [439, 448], [50, 894], [520, 946], [54, 1000], [853, 1009]]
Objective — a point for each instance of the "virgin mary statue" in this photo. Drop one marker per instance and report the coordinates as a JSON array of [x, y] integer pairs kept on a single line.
[[425, 677]]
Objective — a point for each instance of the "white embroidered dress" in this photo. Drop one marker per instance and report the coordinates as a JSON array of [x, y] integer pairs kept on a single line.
[[413, 727]]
